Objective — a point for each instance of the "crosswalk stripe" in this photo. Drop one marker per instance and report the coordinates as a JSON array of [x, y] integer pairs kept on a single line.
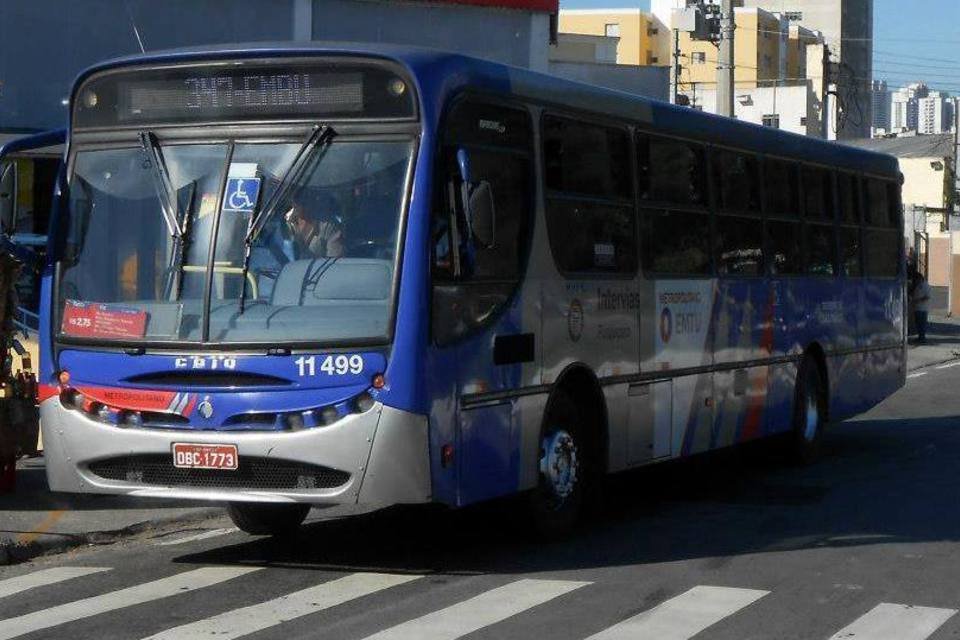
[[139, 594], [684, 616], [895, 622], [213, 533], [247, 620], [478, 612], [44, 577]]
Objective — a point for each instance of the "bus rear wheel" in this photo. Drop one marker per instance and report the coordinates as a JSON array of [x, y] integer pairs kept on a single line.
[[266, 518], [809, 413], [556, 502]]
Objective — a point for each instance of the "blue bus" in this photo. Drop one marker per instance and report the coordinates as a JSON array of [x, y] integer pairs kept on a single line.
[[279, 277]]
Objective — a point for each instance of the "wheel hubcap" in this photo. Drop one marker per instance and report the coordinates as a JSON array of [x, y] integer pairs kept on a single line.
[[559, 464]]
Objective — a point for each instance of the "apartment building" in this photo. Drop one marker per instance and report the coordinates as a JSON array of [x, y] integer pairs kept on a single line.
[[642, 41]]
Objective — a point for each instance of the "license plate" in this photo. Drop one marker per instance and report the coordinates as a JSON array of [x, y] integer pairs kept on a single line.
[[205, 456]]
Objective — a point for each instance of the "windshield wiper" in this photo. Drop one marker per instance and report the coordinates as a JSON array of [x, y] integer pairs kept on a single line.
[[318, 139], [161, 179]]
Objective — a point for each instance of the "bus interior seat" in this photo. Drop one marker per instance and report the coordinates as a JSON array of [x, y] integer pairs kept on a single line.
[[323, 280]]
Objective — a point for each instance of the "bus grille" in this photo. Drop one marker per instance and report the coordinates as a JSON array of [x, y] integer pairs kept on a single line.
[[252, 473]]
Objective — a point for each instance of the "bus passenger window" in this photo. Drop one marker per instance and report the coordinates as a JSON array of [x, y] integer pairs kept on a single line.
[[848, 190], [739, 246], [782, 188], [879, 208], [737, 182], [676, 242], [820, 250], [671, 171], [784, 248], [817, 194], [882, 252], [585, 159], [591, 220], [850, 252]]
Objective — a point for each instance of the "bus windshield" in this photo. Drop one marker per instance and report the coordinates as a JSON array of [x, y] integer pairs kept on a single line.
[[321, 270]]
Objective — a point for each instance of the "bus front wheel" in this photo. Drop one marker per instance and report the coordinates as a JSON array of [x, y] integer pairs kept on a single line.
[[809, 412], [267, 519], [556, 502]]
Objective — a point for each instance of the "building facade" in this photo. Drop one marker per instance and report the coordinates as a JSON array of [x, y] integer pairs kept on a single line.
[[847, 28], [905, 107], [790, 108], [35, 77], [880, 99], [641, 38], [935, 113]]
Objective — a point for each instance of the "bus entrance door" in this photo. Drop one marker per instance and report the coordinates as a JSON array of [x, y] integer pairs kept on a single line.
[[651, 422]]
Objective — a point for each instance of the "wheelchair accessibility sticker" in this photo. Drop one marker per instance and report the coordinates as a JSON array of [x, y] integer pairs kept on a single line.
[[241, 194]]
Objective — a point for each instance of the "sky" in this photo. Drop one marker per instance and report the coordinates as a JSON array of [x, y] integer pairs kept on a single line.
[[914, 40]]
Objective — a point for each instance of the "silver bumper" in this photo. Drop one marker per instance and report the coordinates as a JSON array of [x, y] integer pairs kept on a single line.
[[384, 450]]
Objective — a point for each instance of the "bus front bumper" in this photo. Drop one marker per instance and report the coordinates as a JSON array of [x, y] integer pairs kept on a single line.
[[376, 458]]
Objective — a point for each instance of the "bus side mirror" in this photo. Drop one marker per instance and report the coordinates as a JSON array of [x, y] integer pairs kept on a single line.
[[8, 197], [478, 204], [482, 215]]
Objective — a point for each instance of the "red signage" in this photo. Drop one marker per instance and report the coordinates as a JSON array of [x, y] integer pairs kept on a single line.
[[546, 6], [95, 320], [142, 399]]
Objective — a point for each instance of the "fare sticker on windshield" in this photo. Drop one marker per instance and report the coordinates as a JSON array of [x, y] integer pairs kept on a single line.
[[95, 320]]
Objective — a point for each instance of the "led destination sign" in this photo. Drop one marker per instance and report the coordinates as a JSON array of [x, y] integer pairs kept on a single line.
[[247, 92], [340, 92]]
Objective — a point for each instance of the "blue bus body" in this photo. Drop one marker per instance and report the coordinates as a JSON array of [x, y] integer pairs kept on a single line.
[[671, 364]]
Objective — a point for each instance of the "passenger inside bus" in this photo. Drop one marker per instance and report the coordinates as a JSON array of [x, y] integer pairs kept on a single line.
[[316, 228]]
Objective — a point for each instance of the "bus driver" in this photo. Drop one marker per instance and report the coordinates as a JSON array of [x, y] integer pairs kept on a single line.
[[316, 230]]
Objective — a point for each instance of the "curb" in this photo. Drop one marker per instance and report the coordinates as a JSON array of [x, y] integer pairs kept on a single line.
[[51, 543]]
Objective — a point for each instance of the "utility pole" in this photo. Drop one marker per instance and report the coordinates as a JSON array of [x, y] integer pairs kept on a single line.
[[825, 93], [725, 69], [675, 68]]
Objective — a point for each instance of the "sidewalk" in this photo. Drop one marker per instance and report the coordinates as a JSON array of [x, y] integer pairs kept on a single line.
[[943, 343], [34, 521]]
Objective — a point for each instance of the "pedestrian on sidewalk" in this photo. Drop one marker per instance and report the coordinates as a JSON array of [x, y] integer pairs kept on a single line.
[[921, 305]]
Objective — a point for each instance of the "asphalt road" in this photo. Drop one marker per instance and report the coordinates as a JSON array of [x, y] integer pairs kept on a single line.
[[863, 544]]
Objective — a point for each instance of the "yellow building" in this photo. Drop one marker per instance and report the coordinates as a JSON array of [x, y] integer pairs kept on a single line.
[[758, 44], [642, 38]]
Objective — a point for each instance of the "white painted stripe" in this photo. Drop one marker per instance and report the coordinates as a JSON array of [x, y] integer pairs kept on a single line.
[[204, 535], [895, 622], [684, 616], [917, 375], [241, 622], [147, 592], [45, 577], [949, 365], [483, 610]]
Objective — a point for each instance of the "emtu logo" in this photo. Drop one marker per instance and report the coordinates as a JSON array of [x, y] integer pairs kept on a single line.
[[666, 325]]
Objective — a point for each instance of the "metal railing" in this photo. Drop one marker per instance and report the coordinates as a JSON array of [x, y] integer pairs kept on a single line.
[[26, 321]]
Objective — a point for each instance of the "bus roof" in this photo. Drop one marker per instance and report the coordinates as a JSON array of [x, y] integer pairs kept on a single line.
[[439, 73]]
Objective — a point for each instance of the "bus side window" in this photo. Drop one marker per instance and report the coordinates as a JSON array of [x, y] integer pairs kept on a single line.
[[473, 279], [591, 218], [881, 234], [673, 196]]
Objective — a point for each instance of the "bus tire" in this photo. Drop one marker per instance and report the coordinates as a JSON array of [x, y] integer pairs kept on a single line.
[[555, 504], [267, 518], [809, 413]]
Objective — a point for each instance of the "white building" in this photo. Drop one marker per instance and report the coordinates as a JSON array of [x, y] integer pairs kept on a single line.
[[935, 113], [791, 108], [847, 28], [905, 107]]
